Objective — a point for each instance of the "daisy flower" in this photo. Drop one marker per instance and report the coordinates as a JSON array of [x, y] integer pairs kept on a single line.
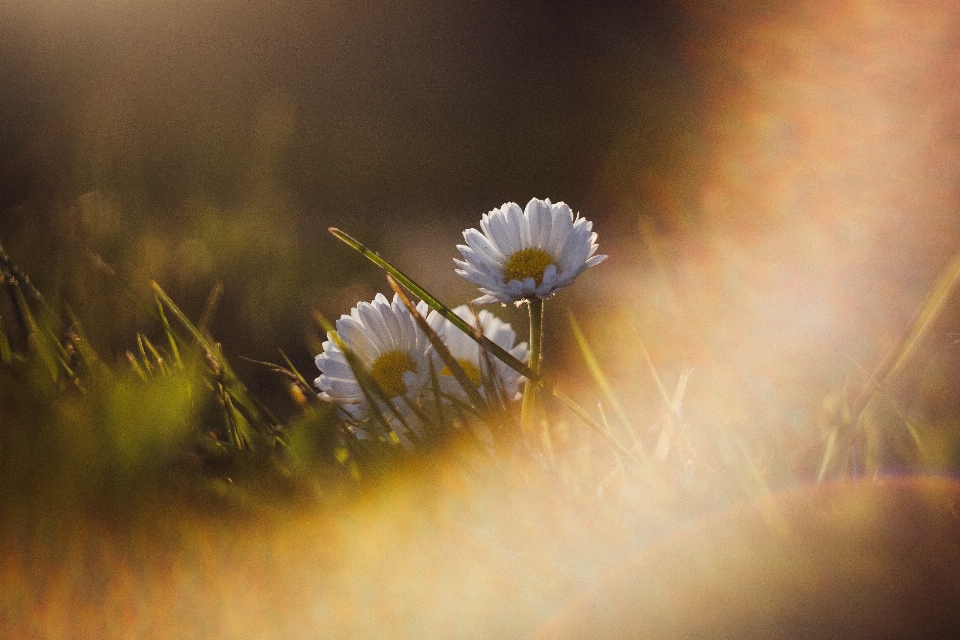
[[469, 356], [387, 341], [527, 254]]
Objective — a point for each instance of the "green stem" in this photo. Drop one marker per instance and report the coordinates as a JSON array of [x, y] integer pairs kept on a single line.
[[528, 407]]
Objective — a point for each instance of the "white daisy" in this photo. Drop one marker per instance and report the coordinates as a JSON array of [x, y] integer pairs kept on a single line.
[[387, 341], [527, 254], [469, 356]]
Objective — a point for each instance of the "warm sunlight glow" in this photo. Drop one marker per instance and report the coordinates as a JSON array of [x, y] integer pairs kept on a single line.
[[715, 377]]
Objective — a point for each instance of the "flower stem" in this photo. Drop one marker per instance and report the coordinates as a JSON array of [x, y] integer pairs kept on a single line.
[[528, 407]]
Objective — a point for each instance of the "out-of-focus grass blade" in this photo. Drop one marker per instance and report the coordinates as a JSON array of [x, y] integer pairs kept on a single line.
[[210, 308], [667, 399], [881, 391], [898, 358], [6, 355], [437, 396], [132, 359], [20, 278], [368, 385], [945, 285], [171, 338], [827, 454], [194, 332], [233, 420], [501, 353], [36, 336], [143, 355], [590, 422], [42, 338], [158, 358], [290, 374], [593, 366], [303, 381], [81, 342], [239, 392]]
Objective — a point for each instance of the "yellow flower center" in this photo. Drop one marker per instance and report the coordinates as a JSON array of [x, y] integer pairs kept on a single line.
[[388, 370], [527, 263], [472, 371]]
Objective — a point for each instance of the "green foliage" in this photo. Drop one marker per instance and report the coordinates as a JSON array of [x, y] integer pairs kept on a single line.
[[77, 430]]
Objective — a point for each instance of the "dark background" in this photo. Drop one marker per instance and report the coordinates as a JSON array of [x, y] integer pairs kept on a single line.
[[191, 142], [776, 185]]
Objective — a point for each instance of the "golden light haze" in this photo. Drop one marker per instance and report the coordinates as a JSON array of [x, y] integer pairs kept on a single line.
[[776, 185]]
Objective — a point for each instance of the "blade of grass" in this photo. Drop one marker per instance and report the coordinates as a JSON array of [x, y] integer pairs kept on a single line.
[[827, 454], [143, 355], [880, 390], [35, 335], [233, 428], [667, 399], [448, 360], [158, 358], [22, 278], [171, 338], [6, 354], [241, 393], [370, 388], [593, 366], [591, 423], [275, 368], [294, 371], [504, 417], [945, 285], [897, 358], [132, 359], [210, 308], [81, 342]]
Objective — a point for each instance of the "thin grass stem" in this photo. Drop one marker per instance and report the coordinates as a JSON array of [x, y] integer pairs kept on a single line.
[[528, 408], [6, 354], [371, 389], [448, 360], [593, 366]]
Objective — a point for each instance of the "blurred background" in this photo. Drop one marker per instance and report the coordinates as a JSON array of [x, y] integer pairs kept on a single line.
[[776, 185]]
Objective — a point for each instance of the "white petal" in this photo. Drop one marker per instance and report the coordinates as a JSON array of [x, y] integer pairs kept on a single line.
[[531, 218], [515, 222], [562, 227], [393, 325], [374, 327], [541, 221], [482, 245], [335, 368], [342, 388], [549, 283], [471, 276], [356, 339], [575, 250], [499, 232]]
